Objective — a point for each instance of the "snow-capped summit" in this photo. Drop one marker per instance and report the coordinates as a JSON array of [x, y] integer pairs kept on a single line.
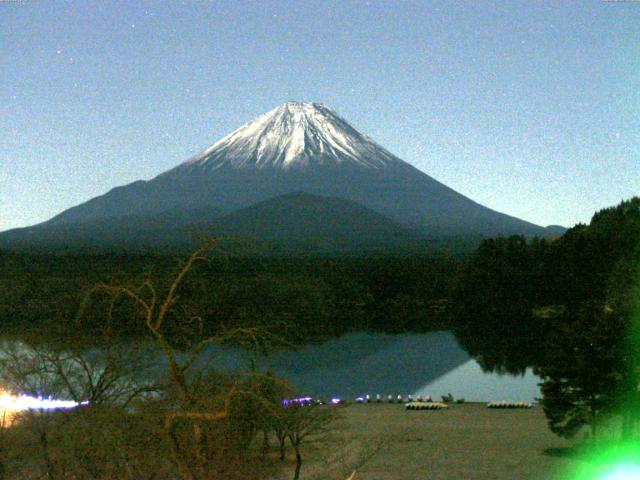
[[296, 158], [295, 134]]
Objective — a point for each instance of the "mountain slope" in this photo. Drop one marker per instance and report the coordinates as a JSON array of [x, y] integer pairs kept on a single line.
[[299, 221], [299, 147], [139, 232], [294, 223]]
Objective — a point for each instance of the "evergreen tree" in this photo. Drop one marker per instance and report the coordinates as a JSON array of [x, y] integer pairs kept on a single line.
[[593, 366], [584, 379]]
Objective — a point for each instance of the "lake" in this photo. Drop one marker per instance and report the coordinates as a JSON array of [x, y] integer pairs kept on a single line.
[[371, 363], [362, 363]]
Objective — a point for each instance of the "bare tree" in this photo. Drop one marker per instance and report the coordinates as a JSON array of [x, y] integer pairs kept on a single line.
[[190, 409], [306, 422], [114, 375], [195, 425], [109, 379]]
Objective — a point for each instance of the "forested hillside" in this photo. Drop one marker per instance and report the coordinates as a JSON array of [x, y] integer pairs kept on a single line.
[[299, 299], [512, 295], [569, 307]]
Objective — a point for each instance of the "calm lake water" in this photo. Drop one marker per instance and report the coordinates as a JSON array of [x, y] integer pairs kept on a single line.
[[370, 363], [363, 363]]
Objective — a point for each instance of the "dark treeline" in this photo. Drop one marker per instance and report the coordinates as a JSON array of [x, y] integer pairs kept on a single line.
[[299, 299], [512, 296], [568, 307]]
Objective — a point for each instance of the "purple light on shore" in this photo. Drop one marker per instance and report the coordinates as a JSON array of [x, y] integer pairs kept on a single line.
[[297, 401]]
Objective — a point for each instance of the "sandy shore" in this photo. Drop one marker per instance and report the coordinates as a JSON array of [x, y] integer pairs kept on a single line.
[[466, 442]]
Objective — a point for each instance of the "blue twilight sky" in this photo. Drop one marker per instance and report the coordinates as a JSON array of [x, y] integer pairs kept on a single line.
[[530, 108]]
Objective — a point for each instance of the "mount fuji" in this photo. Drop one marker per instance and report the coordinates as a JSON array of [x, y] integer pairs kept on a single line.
[[304, 149]]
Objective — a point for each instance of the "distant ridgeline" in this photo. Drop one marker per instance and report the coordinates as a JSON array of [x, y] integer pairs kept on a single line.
[[292, 225]]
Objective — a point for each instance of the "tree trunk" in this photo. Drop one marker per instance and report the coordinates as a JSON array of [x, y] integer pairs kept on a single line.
[[185, 471], [265, 442], [197, 444], [3, 469], [296, 474], [44, 443], [626, 425], [281, 440]]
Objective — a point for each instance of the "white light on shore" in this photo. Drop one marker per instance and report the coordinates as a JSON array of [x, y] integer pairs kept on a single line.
[[25, 402], [11, 404]]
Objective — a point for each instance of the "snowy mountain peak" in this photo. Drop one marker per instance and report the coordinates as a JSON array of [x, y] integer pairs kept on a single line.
[[293, 135]]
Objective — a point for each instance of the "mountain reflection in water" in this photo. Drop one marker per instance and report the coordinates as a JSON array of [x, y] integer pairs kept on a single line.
[[363, 363], [371, 363]]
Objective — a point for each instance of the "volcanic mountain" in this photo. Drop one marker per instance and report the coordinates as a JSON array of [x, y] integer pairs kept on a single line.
[[296, 147]]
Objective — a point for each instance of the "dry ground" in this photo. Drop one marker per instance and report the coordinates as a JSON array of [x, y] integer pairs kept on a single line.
[[466, 442]]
